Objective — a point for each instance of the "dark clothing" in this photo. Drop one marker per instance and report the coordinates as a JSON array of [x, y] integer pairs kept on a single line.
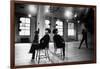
[[84, 38], [84, 33], [36, 39], [59, 42], [35, 43], [44, 42]]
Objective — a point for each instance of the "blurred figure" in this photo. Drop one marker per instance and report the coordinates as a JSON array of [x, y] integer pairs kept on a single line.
[[34, 45], [59, 41], [84, 35]]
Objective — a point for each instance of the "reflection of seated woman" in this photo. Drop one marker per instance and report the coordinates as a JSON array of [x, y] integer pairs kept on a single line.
[[59, 41], [34, 44]]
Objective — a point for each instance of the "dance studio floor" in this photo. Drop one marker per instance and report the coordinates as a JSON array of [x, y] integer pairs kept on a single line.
[[73, 54]]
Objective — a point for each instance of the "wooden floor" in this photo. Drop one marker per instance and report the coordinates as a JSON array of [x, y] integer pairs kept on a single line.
[[72, 54]]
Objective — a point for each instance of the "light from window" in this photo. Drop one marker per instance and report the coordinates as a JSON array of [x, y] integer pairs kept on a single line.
[[59, 27], [47, 22], [71, 31], [24, 26]]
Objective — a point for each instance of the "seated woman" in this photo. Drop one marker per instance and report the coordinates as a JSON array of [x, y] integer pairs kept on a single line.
[[59, 41], [44, 42]]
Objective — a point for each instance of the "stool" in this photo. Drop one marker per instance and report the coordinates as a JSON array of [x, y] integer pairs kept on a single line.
[[39, 56], [61, 50]]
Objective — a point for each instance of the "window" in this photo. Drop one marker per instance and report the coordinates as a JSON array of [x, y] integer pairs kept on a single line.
[[24, 26], [47, 24], [59, 26], [71, 31]]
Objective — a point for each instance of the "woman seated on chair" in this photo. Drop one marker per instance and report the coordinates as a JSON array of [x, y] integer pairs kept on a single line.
[[44, 42], [59, 41]]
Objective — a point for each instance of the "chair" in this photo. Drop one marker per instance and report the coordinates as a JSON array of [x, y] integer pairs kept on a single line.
[[61, 50], [39, 56]]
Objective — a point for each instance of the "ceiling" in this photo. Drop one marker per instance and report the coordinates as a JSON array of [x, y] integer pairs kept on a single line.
[[54, 11]]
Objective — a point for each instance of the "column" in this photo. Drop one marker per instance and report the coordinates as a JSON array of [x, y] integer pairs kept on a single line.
[[40, 21]]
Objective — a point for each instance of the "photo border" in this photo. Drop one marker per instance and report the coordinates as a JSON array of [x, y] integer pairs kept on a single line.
[[12, 34]]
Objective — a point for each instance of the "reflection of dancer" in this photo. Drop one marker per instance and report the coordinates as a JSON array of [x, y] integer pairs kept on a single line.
[[84, 34]]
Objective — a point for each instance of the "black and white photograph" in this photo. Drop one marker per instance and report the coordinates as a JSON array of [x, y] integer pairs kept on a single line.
[[53, 34]]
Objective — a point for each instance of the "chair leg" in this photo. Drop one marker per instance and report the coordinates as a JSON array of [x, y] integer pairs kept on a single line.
[[62, 53], [48, 55], [55, 50], [39, 57], [45, 52]]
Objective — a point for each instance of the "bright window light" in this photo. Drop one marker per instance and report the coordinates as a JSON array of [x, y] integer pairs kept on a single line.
[[71, 31], [24, 26], [47, 22], [59, 27]]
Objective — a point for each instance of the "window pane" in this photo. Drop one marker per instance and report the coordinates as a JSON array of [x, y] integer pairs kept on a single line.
[[60, 33], [21, 33], [60, 23], [70, 25], [27, 20], [27, 33], [47, 26], [47, 22], [27, 28], [22, 20], [71, 32], [24, 32], [27, 25], [24, 26], [59, 27]]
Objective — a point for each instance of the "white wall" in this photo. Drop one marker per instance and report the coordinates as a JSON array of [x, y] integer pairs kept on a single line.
[[5, 34]]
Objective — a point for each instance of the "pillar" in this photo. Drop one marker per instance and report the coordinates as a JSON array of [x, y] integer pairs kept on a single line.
[[40, 21]]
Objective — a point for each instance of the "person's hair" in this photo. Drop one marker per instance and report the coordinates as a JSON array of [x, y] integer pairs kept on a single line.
[[49, 31], [36, 32], [55, 31]]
